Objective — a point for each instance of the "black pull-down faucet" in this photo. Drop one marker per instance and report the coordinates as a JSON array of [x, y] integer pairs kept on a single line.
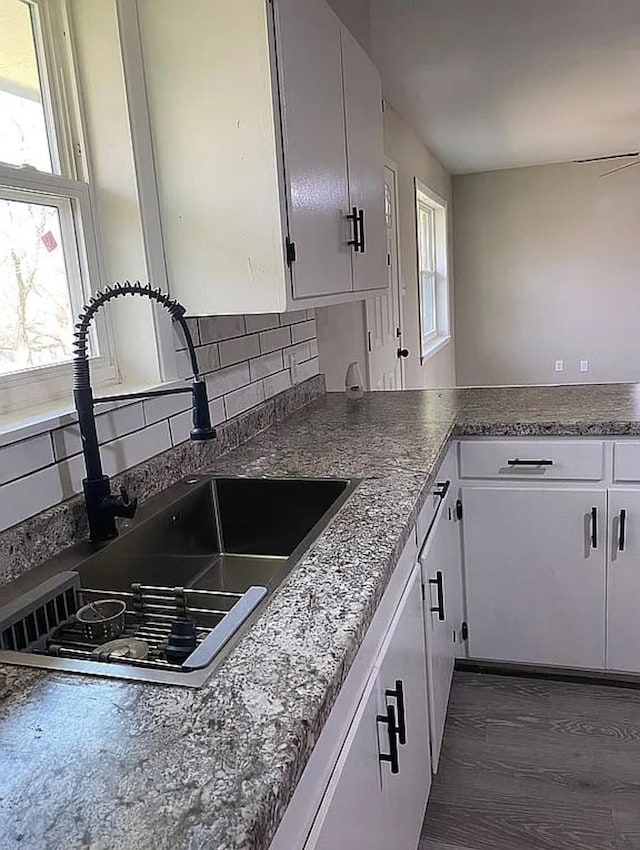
[[102, 505]]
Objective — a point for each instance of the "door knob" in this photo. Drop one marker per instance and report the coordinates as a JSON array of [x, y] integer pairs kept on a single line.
[[403, 352]]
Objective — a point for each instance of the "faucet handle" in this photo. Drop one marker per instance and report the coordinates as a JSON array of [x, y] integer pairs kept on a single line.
[[127, 505]]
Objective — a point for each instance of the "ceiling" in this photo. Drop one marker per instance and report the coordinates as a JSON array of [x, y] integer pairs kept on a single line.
[[493, 84]]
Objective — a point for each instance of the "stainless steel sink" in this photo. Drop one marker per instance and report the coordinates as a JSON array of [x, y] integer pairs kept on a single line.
[[211, 550]]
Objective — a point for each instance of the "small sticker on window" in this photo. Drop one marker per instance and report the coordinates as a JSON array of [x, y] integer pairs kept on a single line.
[[49, 241]]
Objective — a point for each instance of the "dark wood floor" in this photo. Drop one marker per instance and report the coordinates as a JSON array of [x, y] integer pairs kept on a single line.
[[529, 764]]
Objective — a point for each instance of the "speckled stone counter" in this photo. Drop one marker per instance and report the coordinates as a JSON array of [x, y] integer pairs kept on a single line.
[[107, 765]]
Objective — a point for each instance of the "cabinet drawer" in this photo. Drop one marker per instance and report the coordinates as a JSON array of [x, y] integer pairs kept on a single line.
[[535, 459], [626, 461]]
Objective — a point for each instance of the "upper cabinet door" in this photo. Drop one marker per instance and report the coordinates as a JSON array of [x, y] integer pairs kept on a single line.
[[365, 155], [310, 75]]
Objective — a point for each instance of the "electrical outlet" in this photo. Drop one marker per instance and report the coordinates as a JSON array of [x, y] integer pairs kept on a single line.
[[559, 366], [293, 368], [584, 365]]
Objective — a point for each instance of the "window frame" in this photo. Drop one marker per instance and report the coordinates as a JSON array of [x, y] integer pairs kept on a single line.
[[69, 183], [433, 339]]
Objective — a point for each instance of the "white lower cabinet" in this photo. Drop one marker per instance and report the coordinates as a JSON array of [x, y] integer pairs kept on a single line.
[[443, 615], [535, 564], [623, 581], [378, 791]]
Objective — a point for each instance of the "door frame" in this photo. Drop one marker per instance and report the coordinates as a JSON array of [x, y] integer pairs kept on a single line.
[[396, 284]]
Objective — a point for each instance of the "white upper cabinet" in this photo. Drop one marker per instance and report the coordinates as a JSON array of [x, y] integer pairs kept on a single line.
[[265, 124], [310, 71], [365, 154]]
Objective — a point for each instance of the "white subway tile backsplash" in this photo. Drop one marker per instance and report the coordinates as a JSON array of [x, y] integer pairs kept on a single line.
[[277, 338], [134, 448], [243, 399], [29, 495], [245, 361], [260, 367], [225, 380], [277, 383], [208, 358], [292, 317], [241, 348], [18, 459], [309, 369], [115, 423], [215, 328], [302, 351], [303, 331], [261, 322], [165, 406]]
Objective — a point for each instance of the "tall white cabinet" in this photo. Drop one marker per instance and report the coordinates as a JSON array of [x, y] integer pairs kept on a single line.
[[265, 120]]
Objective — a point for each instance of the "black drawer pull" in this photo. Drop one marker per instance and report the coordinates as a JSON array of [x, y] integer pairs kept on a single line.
[[439, 583], [392, 756], [594, 528], [397, 693], [519, 462], [622, 535]]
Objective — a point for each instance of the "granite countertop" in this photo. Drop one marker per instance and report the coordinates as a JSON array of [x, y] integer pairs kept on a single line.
[[97, 764]]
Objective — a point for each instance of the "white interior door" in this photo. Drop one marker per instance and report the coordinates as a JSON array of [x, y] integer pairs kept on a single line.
[[623, 582], [384, 332], [535, 574]]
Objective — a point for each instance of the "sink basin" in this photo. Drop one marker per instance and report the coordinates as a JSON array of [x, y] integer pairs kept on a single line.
[[217, 534], [209, 549]]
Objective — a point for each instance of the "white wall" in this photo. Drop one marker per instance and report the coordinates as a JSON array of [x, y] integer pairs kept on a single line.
[[547, 265], [356, 17], [414, 159]]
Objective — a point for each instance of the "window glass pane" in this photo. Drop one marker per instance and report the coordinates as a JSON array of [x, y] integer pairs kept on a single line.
[[23, 130], [428, 306], [36, 320]]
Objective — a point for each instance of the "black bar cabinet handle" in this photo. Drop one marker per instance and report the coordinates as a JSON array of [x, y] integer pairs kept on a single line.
[[355, 218], [361, 222], [392, 756], [518, 462], [622, 536], [594, 528], [397, 693], [439, 583], [441, 489]]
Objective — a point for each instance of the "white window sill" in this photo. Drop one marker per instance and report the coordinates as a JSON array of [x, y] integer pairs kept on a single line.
[[434, 346], [47, 417]]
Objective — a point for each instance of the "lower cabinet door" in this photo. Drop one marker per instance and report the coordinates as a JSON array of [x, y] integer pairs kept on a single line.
[[535, 574], [403, 687], [377, 795], [623, 582], [352, 813], [440, 563]]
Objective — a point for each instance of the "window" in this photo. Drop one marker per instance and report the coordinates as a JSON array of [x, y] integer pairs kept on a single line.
[[433, 281], [48, 256]]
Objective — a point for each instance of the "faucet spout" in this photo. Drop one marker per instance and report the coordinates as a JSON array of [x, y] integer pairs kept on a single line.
[[102, 505]]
